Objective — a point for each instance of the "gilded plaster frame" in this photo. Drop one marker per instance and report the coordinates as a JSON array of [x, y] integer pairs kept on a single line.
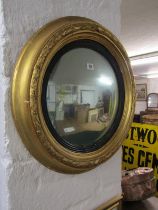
[[27, 87]]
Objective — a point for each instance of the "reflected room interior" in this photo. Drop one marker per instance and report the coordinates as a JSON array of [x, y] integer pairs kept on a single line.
[[82, 96]]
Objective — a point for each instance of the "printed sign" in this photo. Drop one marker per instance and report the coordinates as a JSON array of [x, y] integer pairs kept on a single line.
[[140, 148]]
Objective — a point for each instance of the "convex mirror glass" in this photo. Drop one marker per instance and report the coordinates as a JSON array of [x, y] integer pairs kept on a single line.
[[81, 95]]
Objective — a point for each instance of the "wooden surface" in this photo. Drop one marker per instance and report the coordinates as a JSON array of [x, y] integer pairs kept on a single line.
[[79, 127]]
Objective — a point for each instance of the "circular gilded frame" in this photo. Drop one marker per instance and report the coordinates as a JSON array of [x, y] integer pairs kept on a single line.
[[27, 83]]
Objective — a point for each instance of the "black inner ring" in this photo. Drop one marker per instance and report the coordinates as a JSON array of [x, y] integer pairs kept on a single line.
[[93, 45]]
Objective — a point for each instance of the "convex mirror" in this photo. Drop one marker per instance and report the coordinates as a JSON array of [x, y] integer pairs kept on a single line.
[[73, 94], [152, 100]]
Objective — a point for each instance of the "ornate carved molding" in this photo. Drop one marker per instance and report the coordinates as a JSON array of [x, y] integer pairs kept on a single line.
[[54, 36]]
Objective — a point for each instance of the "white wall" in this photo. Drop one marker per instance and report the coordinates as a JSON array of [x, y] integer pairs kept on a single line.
[[4, 154], [153, 85], [27, 185]]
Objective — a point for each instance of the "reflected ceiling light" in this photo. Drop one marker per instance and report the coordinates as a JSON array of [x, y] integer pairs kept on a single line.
[[143, 59], [105, 80]]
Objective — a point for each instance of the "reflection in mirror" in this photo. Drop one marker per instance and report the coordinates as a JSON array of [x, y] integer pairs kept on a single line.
[[82, 96], [152, 100]]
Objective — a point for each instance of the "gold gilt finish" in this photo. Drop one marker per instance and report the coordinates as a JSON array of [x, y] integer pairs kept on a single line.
[[112, 204], [27, 88]]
